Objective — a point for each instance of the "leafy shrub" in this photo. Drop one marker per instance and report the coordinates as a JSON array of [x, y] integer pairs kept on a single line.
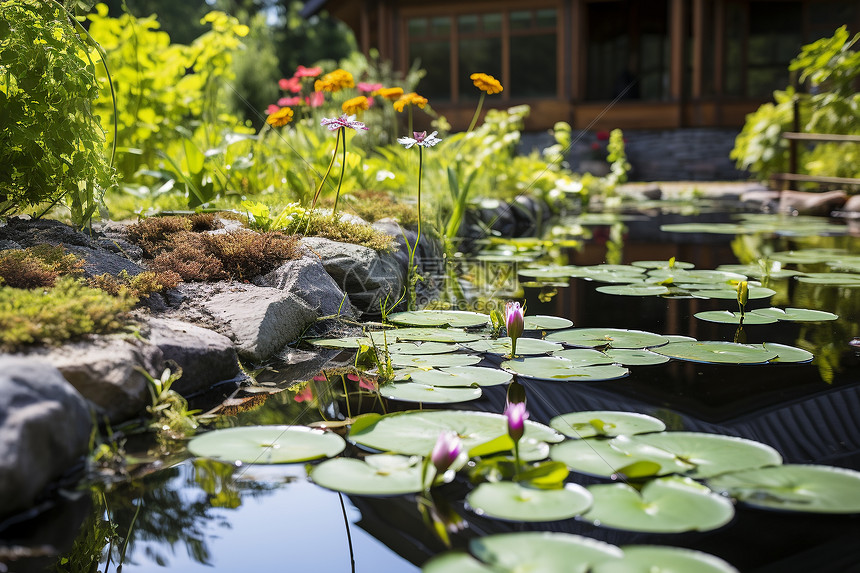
[[52, 145], [137, 286], [37, 267], [67, 310]]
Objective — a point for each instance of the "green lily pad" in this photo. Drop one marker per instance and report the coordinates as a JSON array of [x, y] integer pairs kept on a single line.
[[562, 370], [831, 279], [415, 432], [679, 338], [458, 561], [794, 487], [716, 228], [605, 423], [584, 356], [380, 474], [351, 342], [266, 444], [412, 348], [541, 552], [662, 265], [434, 360], [517, 502], [427, 394], [788, 354], [612, 337], [665, 505], [717, 352], [551, 272], [773, 270], [452, 318], [731, 293], [729, 317], [621, 454], [423, 334], [462, 376], [664, 559], [808, 256], [543, 322], [795, 314], [634, 290], [525, 346], [635, 357]]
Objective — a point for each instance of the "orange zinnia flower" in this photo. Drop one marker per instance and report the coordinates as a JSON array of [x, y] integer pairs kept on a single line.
[[411, 98], [281, 117], [355, 105], [486, 83], [391, 94], [334, 81]]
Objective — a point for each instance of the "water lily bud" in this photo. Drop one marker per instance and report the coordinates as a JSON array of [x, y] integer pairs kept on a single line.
[[743, 293], [514, 323], [448, 447], [517, 415]]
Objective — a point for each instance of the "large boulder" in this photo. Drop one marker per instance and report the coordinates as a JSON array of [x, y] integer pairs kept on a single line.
[[45, 428], [109, 372], [371, 278], [805, 203]]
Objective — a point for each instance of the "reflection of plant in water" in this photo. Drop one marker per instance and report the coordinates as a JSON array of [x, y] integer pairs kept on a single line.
[[216, 479], [828, 341]]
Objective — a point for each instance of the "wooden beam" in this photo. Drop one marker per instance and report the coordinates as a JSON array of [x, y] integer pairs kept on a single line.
[[676, 55], [829, 137], [577, 47], [698, 48]]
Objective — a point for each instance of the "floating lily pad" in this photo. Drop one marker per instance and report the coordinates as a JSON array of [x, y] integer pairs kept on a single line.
[[525, 346], [380, 474], [679, 338], [517, 502], [635, 357], [605, 423], [562, 370], [794, 487], [416, 432], [665, 505], [795, 314], [427, 394], [808, 256], [584, 356], [662, 265], [831, 279], [622, 454], [541, 551], [458, 561], [634, 290], [728, 317], [542, 273], [731, 293], [788, 354], [542, 322], [421, 348], [266, 444], [351, 342], [716, 228], [612, 337], [717, 352], [663, 559], [452, 318], [423, 334], [434, 360], [462, 376], [773, 270]]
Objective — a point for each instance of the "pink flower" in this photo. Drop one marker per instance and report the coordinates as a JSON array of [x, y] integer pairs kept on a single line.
[[316, 99], [289, 101], [517, 415], [305, 395], [367, 88], [343, 121], [272, 109], [293, 84], [448, 447], [603, 135], [514, 323], [420, 138], [303, 72], [366, 383]]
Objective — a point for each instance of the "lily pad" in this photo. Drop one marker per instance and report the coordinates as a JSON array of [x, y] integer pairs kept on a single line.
[[716, 228], [664, 505], [351, 342], [789, 354], [434, 360], [517, 502], [605, 423], [427, 394], [729, 317], [424, 334], [663, 559], [662, 265], [831, 279], [542, 552], [612, 337], [635, 357], [795, 314], [731, 293], [452, 318], [266, 444], [634, 290], [584, 356], [525, 346], [562, 370], [462, 376], [717, 352], [421, 348], [415, 432], [380, 474], [620, 455], [543, 322], [794, 487]]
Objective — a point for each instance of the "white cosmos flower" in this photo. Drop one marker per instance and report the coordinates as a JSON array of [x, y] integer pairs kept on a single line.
[[420, 138]]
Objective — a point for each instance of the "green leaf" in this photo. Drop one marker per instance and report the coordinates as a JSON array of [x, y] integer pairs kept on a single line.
[[266, 444], [517, 502]]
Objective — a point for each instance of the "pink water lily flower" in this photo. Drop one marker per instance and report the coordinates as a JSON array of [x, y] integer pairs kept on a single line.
[[343, 121], [514, 323], [447, 449], [420, 138], [516, 415]]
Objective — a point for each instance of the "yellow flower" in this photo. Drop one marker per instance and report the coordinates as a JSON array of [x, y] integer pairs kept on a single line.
[[355, 105], [411, 98], [334, 81], [486, 83], [281, 117], [391, 94]]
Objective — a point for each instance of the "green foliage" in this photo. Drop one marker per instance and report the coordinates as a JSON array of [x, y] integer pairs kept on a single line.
[[37, 267], [171, 418], [138, 286], [51, 142], [153, 233], [67, 310], [830, 67]]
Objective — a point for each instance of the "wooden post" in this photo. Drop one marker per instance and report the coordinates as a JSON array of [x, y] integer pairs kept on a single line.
[[676, 55], [792, 143]]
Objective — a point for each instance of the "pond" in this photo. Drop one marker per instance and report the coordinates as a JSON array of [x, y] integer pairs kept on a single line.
[[186, 513]]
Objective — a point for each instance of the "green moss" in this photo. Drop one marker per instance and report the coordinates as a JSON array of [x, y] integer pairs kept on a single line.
[[68, 310], [375, 205], [137, 286], [38, 266], [344, 231]]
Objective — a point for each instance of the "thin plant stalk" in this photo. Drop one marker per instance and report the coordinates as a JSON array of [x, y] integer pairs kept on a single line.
[[477, 112], [342, 172], [516, 460], [411, 271], [319, 189]]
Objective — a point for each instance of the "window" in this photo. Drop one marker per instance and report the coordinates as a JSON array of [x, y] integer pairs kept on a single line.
[[529, 37]]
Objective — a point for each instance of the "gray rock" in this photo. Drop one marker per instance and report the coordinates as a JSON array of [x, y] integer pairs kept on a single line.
[[259, 320], [45, 428], [803, 203], [205, 356], [852, 205], [370, 278], [105, 370]]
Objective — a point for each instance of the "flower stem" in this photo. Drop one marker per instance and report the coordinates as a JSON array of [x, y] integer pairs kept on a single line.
[[477, 112], [516, 461], [411, 272], [319, 189], [342, 172]]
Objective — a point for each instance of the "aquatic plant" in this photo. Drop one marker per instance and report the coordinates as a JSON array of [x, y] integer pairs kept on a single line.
[[447, 449], [514, 324], [516, 414]]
